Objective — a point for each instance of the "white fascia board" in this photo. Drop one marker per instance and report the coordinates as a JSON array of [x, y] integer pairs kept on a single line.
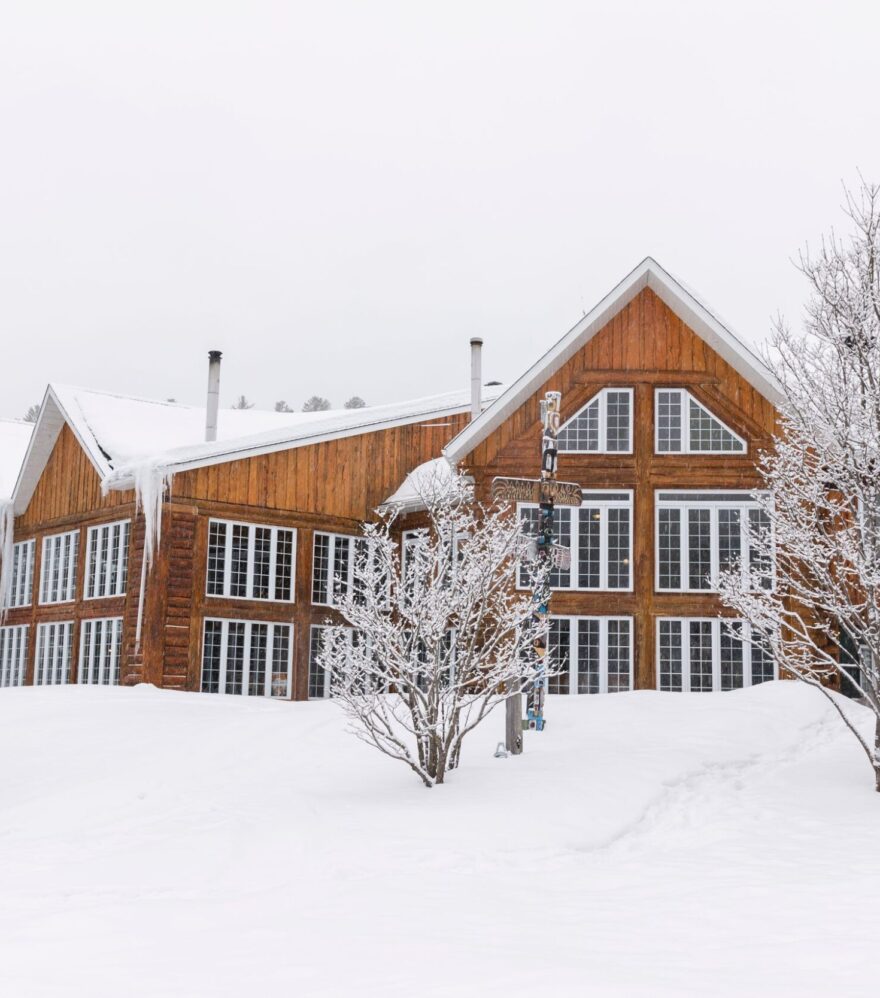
[[53, 415], [648, 273], [125, 478]]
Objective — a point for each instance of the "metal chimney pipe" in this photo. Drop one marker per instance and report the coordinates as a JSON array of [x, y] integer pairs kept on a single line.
[[476, 376], [214, 357]]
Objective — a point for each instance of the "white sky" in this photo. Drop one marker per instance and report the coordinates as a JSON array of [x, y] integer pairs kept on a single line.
[[340, 195]]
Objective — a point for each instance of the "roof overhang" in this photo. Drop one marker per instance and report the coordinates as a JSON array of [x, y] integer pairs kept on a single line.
[[648, 274], [53, 415]]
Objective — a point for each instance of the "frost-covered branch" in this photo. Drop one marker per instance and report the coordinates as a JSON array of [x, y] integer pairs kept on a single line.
[[436, 635]]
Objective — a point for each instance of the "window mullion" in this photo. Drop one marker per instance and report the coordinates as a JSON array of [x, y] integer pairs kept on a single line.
[[684, 545], [107, 569], [603, 422], [270, 655], [713, 546], [574, 546], [685, 632], [603, 654], [246, 659], [227, 561], [716, 655], [224, 641], [273, 563], [603, 547], [249, 577], [684, 398]]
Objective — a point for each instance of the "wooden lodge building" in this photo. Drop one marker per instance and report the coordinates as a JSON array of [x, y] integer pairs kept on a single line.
[[664, 412]]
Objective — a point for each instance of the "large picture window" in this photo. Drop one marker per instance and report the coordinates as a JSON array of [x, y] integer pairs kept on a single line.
[[100, 647], [685, 426], [599, 537], [334, 560], [249, 561], [247, 658], [590, 654], [701, 534], [58, 569], [52, 660], [696, 654], [13, 655], [107, 560], [602, 426], [21, 582]]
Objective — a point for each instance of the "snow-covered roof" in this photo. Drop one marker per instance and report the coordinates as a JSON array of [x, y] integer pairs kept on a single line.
[[420, 483], [121, 434], [15, 435], [648, 274]]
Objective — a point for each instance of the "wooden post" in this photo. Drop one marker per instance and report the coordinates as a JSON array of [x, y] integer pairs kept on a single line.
[[513, 738]]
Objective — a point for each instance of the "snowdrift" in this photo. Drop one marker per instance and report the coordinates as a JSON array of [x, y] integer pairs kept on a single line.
[[157, 843]]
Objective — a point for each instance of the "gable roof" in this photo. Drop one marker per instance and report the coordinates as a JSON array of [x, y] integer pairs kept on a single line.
[[120, 434], [686, 305], [15, 435]]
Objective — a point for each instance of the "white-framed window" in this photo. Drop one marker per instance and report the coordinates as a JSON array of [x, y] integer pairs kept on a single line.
[[590, 654], [702, 533], [251, 561], [599, 537], [682, 425], [58, 568], [701, 654], [100, 651], [334, 559], [21, 582], [602, 426], [412, 540], [52, 659], [247, 657], [320, 683], [13, 654], [107, 560]]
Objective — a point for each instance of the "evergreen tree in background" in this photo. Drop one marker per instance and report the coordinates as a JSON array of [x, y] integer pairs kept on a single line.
[[355, 402], [31, 415], [316, 404], [242, 403], [282, 406]]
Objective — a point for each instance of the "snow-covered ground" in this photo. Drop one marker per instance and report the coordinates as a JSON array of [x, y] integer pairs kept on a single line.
[[166, 844]]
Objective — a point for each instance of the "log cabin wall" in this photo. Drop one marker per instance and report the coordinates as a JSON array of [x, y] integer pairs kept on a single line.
[[643, 347]]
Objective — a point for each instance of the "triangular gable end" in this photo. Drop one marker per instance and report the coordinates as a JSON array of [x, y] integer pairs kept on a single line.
[[692, 312], [52, 418]]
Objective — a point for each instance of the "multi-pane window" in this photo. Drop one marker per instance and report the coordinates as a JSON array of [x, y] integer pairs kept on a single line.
[[701, 534], [319, 680], [21, 582], [685, 426], [249, 561], [590, 654], [13, 654], [335, 558], [107, 560], [599, 537], [52, 659], [247, 658], [100, 647], [58, 568], [602, 426], [696, 654]]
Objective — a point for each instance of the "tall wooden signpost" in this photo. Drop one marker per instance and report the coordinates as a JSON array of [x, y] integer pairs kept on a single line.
[[547, 493]]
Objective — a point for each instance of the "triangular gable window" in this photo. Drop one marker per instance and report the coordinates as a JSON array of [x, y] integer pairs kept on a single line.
[[602, 426], [685, 426]]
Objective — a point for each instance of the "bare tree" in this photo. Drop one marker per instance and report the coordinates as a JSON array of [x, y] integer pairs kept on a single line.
[[355, 402], [435, 635], [823, 479], [31, 415], [282, 406], [316, 404], [242, 402]]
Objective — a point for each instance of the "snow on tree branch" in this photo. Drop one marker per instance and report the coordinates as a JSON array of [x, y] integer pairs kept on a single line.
[[435, 634], [823, 478]]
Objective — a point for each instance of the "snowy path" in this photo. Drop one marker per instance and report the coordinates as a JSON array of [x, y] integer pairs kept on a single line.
[[155, 844]]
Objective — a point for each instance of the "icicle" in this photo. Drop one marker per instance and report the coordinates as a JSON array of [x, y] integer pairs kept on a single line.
[[151, 483], [7, 539]]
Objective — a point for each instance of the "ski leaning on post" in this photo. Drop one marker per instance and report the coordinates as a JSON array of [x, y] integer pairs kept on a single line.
[[547, 493]]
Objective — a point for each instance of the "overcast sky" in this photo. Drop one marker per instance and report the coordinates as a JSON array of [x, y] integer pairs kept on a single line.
[[339, 196]]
